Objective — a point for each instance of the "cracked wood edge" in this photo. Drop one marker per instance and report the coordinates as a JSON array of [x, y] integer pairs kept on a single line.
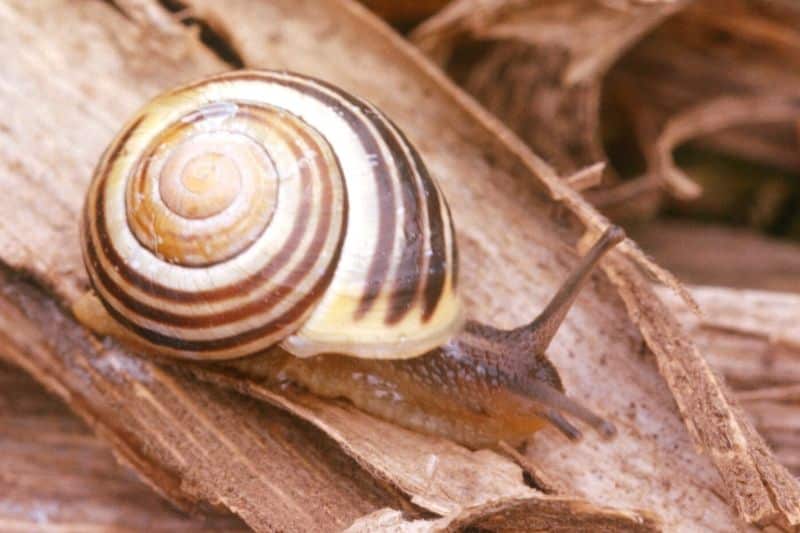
[[190, 442], [56, 473], [752, 338], [762, 489]]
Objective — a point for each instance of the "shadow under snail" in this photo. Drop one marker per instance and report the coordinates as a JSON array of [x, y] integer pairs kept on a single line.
[[277, 223]]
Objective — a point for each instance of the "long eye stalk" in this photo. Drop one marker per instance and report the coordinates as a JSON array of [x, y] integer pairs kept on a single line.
[[544, 327], [544, 399]]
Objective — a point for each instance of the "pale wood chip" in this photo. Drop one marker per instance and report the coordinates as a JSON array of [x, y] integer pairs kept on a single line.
[[551, 514]]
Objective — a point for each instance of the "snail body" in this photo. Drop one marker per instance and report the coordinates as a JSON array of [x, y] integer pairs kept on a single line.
[[278, 224]]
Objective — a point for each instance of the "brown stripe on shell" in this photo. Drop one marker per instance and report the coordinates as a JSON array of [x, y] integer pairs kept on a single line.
[[236, 341], [382, 256], [381, 259], [290, 315], [453, 247], [152, 287], [381, 262], [276, 263], [120, 143], [411, 262], [436, 272], [109, 154], [162, 315]]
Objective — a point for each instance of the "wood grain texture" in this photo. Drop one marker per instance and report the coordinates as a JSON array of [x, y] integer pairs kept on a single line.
[[723, 256], [55, 474], [549, 56], [190, 442], [714, 48], [540, 514], [752, 338], [194, 442]]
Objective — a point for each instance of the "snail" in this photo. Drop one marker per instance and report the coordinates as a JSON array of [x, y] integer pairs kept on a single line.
[[274, 223]]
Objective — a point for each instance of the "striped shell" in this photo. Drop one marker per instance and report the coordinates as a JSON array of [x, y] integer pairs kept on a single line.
[[255, 208]]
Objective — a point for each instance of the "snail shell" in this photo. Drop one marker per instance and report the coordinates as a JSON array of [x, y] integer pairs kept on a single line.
[[255, 208]]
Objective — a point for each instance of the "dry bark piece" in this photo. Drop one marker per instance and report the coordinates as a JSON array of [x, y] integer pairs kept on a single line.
[[702, 120], [548, 514], [586, 178], [707, 118], [762, 491], [790, 393], [538, 66], [57, 474], [393, 520], [718, 255], [778, 419], [752, 338], [739, 51], [191, 442], [515, 252], [537, 514], [771, 315], [723, 48]]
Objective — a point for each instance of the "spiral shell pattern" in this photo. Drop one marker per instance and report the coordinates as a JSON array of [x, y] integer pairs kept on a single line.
[[256, 207]]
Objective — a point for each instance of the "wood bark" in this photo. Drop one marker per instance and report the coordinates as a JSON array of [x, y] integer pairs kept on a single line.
[[54, 473], [326, 464], [719, 73], [753, 339], [710, 254], [719, 48], [48, 454], [539, 65]]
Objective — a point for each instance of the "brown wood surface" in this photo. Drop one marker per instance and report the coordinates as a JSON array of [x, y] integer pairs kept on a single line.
[[568, 76], [192, 443], [331, 464], [752, 337], [733, 48], [55, 473], [710, 254]]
